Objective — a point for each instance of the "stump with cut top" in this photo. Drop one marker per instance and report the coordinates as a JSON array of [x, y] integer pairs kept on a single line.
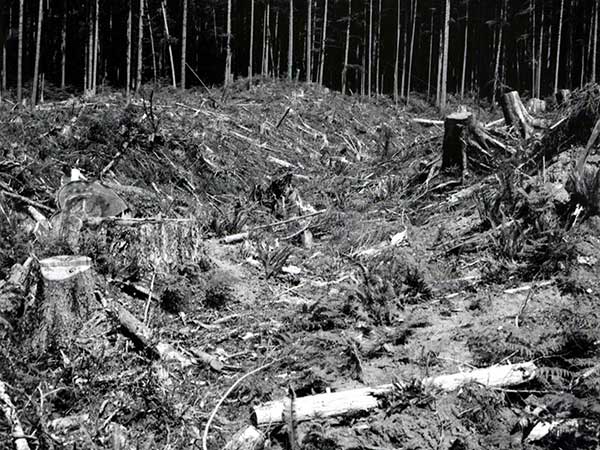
[[517, 116]]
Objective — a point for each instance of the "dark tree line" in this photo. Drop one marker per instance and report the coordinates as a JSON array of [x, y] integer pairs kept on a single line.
[[358, 46]]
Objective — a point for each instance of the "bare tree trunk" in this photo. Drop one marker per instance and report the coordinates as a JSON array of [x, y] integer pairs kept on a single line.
[[38, 43], [63, 46], [152, 47], [498, 52], [438, 89], [323, 44], [309, 42], [464, 66], [263, 55], [346, 49], [595, 47], [20, 55], [532, 6], [96, 47], [370, 68], [168, 39], [560, 23], [445, 58], [140, 49], [251, 49], [291, 42], [267, 38], [90, 50], [397, 58], [412, 45], [128, 59], [430, 56], [183, 43], [539, 63], [378, 50], [276, 40], [228, 75], [404, 54]]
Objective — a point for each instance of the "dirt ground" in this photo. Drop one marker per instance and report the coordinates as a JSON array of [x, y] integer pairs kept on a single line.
[[402, 273]]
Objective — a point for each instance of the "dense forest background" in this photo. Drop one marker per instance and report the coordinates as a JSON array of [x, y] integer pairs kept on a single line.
[[358, 46]]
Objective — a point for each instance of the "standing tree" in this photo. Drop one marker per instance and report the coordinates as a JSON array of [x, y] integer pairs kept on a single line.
[[346, 49], [138, 78], [465, 46], [498, 50], [152, 48], [323, 43], [38, 42], [539, 62], [370, 67], [128, 58], [251, 49], [595, 42], [412, 44], [290, 62], [163, 7], [63, 46], [96, 46], [378, 50], [20, 55], [444, 81], [397, 58], [228, 75], [430, 55], [309, 42], [183, 43], [560, 23]]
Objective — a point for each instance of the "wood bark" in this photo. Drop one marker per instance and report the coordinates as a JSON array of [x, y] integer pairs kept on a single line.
[[412, 45], [445, 56], [533, 57], [370, 56], [536, 106], [465, 45], [498, 52], [96, 47], [152, 47], [365, 399], [430, 56], [38, 42], [538, 94], [346, 49], [397, 55], [378, 51], [251, 48], [128, 57], [560, 25], [183, 44], [595, 42], [163, 7], [562, 96], [324, 44], [20, 55], [517, 116], [138, 78], [63, 46], [309, 37], [290, 68], [62, 305]]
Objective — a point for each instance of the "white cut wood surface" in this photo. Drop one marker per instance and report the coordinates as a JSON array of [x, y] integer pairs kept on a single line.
[[59, 268], [248, 438], [365, 399]]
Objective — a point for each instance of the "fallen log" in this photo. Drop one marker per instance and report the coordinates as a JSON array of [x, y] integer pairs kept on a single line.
[[10, 412], [467, 144], [428, 121], [248, 438], [365, 399], [553, 428], [517, 116]]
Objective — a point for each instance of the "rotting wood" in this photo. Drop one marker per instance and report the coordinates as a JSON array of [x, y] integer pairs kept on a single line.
[[562, 96], [516, 115], [536, 106], [10, 412], [365, 399], [248, 438], [556, 427]]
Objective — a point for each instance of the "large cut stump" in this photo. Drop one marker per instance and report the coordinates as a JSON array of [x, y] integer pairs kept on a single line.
[[562, 96], [516, 115], [64, 302], [536, 106], [468, 145]]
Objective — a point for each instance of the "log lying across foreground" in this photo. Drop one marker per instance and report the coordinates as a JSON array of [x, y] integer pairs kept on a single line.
[[365, 399]]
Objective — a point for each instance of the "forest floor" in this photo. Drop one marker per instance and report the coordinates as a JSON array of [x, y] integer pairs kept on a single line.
[[394, 272]]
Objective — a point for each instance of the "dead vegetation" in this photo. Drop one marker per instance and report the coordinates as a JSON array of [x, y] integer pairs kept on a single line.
[[284, 242]]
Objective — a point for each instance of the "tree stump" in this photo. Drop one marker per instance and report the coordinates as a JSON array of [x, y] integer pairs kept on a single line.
[[536, 106], [64, 302], [517, 116], [562, 96], [468, 145]]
